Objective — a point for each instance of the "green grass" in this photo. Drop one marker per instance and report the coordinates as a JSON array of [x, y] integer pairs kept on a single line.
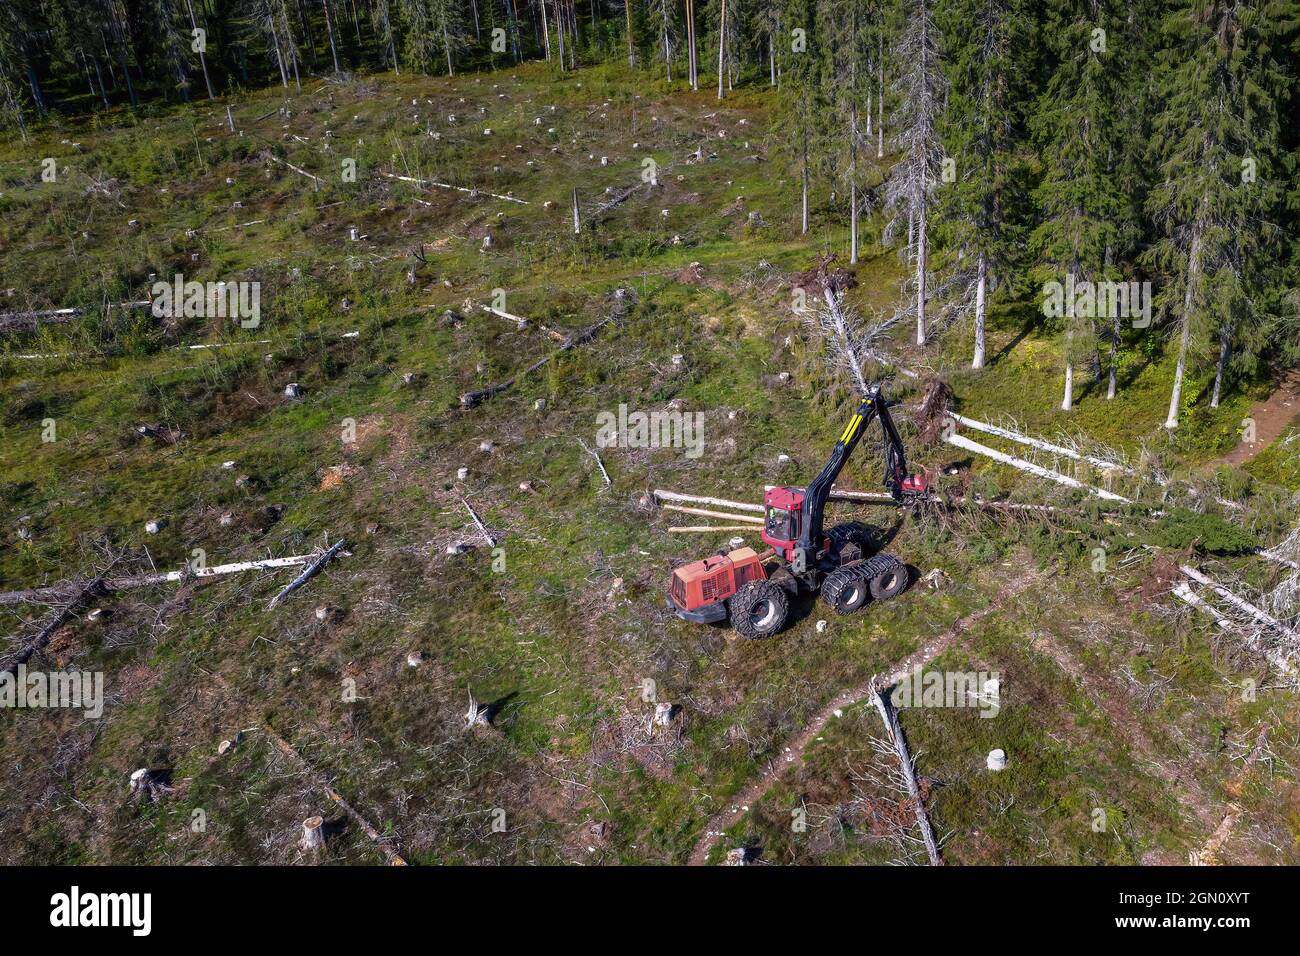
[[567, 649]]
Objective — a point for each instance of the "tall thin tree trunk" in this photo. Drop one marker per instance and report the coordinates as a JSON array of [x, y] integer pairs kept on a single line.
[[722, 47], [853, 143], [880, 103], [804, 230], [329, 27], [279, 55], [1112, 377], [546, 31], [514, 31], [920, 268], [37, 96], [203, 60], [559, 30], [631, 48], [1225, 349], [1184, 338], [981, 285], [690, 44]]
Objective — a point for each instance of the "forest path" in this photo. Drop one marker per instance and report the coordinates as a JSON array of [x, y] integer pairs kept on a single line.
[[1271, 416], [793, 750]]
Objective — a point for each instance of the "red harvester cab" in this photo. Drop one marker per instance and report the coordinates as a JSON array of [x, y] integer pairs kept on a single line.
[[701, 587], [784, 517]]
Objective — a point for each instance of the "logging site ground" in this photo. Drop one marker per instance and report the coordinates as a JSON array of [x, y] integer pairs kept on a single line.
[[497, 557]]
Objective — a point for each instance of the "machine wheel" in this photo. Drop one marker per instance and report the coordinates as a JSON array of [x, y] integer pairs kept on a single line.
[[845, 590], [889, 581], [759, 609]]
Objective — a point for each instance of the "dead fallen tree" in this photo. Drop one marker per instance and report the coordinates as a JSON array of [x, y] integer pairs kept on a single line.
[[966, 444], [1251, 622], [42, 637], [1241, 604], [297, 169], [523, 323], [64, 589], [313, 569], [368, 828], [599, 464], [461, 189], [487, 535], [27, 321], [470, 399], [907, 768], [1040, 444]]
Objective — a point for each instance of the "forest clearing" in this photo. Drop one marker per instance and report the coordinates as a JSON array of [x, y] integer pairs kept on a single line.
[[363, 393]]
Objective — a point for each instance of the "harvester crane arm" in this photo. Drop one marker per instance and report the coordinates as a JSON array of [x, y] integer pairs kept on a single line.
[[819, 489], [808, 538]]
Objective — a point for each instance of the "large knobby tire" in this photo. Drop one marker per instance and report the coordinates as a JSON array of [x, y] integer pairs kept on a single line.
[[845, 591], [759, 609], [890, 581]]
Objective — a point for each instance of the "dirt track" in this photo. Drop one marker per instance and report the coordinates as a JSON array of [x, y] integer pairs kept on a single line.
[[1271, 417]]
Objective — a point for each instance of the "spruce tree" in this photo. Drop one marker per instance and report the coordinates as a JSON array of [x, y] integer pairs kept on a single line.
[[1215, 143], [1078, 199], [981, 205]]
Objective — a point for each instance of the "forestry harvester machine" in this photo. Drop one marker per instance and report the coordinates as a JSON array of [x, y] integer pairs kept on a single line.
[[754, 590]]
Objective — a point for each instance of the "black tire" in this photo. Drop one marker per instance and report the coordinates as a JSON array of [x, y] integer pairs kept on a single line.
[[889, 581], [758, 609], [845, 591]]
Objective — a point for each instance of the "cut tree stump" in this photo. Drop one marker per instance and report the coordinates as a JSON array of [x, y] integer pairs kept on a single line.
[[313, 835]]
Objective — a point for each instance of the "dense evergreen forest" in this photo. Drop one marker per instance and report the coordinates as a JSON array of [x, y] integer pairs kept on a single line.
[[1128, 167]]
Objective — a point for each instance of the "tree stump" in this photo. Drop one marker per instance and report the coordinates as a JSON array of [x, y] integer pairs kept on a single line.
[[313, 835]]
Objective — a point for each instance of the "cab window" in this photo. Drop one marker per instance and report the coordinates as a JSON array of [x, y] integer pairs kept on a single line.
[[780, 524]]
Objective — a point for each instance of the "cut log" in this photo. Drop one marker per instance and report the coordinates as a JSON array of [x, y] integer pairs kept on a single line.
[[702, 500], [690, 529], [705, 513], [837, 494]]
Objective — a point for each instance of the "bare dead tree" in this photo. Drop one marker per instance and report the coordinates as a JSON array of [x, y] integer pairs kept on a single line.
[[921, 88], [848, 339], [907, 768]]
